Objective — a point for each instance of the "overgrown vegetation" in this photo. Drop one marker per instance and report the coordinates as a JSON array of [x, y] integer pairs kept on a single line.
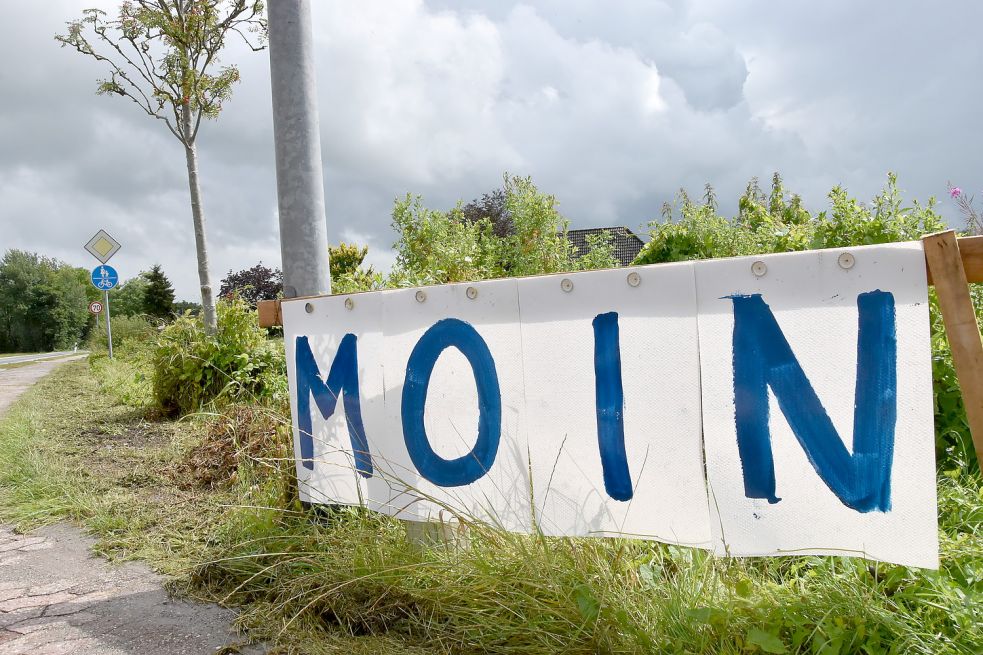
[[778, 222], [192, 367], [212, 503], [525, 235], [212, 499]]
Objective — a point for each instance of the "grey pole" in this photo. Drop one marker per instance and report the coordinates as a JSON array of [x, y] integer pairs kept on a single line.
[[296, 134], [109, 328]]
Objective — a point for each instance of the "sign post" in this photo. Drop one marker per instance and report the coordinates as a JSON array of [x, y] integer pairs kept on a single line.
[[105, 278], [109, 326], [102, 246]]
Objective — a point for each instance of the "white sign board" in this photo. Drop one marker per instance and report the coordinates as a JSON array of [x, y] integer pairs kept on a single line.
[[760, 406]]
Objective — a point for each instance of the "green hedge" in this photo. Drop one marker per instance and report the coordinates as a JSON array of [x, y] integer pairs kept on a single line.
[[777, 222]]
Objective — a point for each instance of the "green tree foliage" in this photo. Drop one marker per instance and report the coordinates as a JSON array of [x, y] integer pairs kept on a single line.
[[347, 273], [253, 284], [43, 303], [128, 298], [346, 258], [158, 298], [469, 242]]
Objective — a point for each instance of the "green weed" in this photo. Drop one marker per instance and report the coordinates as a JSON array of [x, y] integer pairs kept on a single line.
[[315, 581]]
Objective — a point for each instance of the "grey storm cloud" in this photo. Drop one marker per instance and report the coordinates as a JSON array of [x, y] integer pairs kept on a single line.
[[610, 106]]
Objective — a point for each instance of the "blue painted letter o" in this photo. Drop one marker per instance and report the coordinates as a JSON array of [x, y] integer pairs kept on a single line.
[[467, 468]]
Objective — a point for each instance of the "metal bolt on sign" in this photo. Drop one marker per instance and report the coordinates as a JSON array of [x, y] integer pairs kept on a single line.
[[421, 296], [309, 308], [566, 285], [349, 303], [472, 293], [846, 261], [634, 279], [759, 268]]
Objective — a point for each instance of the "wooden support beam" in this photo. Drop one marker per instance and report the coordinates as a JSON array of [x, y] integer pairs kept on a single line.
[[269, 313], [970, 251], [946, 264]]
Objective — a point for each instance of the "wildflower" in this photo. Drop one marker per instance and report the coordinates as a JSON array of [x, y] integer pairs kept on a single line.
[[955, 191]]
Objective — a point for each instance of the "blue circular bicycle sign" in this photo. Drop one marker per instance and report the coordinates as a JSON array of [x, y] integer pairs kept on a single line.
[[104, 277]]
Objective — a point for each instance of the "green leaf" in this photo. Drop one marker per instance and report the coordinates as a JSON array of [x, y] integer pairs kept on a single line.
[[647, 575], [766, 641], [587, 603]]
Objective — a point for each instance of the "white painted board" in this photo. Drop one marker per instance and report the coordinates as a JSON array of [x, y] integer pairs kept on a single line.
[[334, 479], [813, 297], [659, 360], [674, 334], [451, 412]]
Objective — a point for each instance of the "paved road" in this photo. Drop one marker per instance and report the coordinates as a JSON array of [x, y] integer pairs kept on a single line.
[[17, 380], [56, 597], [17, 359]]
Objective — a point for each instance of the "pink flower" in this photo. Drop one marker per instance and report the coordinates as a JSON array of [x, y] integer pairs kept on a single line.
[[955, 191]]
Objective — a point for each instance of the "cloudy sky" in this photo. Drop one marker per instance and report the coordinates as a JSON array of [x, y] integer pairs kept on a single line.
[[611, 106]]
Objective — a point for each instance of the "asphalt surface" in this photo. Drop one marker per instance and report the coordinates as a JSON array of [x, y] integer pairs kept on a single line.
[[17, 380], [56, 597], [17, 359]]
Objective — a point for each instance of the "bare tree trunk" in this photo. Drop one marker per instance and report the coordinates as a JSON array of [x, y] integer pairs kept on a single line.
[[204, 278]]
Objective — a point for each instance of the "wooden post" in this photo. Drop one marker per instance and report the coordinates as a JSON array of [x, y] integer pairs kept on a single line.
[[946, 266], [269, 313]]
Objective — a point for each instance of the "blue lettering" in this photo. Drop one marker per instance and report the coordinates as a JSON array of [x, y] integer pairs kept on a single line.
[[610, 406], [467, 468], [342, 379], [763, 357]]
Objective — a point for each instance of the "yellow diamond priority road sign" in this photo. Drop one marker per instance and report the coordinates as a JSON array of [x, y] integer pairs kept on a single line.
[[102, 246]]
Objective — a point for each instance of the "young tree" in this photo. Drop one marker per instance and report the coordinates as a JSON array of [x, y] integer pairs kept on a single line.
[[163, 55], [158, 297]]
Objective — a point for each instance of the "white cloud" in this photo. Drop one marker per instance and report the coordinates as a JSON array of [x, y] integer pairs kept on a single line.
[[609, 106]]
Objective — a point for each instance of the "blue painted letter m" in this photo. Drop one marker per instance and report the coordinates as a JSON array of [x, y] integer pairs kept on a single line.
[[342, 380], [763, 358]]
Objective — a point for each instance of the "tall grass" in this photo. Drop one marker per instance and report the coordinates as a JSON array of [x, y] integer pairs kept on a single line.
[[318, 581], [304, 573]]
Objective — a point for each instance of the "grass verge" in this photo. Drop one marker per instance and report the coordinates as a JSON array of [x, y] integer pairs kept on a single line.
[[210, 502]]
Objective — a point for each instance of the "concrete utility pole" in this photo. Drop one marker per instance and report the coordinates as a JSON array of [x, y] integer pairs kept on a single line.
[[297, 137]]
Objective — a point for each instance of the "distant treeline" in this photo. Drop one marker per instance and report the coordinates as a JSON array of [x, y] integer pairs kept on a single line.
[[43, 303]]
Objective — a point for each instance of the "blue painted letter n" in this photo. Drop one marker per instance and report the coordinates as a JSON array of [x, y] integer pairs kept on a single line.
[[342, 380], [763, 358]]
